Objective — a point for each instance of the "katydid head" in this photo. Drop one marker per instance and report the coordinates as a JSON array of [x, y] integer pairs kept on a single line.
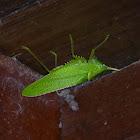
[[97, 67]]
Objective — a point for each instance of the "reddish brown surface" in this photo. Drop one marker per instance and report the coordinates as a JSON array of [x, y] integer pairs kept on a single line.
[[108, 108], [24, 118], [135, 137]]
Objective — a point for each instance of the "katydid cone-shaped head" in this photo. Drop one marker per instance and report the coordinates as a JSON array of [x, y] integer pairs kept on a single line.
[[97, 67]]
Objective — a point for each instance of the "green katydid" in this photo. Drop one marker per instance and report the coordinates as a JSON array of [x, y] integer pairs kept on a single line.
[[70, 74]]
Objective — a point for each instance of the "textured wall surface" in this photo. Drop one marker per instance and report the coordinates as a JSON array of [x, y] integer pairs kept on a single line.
[[25, 118], [107, 108]]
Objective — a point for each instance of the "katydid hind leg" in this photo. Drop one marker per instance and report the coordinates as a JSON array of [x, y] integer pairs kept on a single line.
[[39, 61], [93, 50]]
